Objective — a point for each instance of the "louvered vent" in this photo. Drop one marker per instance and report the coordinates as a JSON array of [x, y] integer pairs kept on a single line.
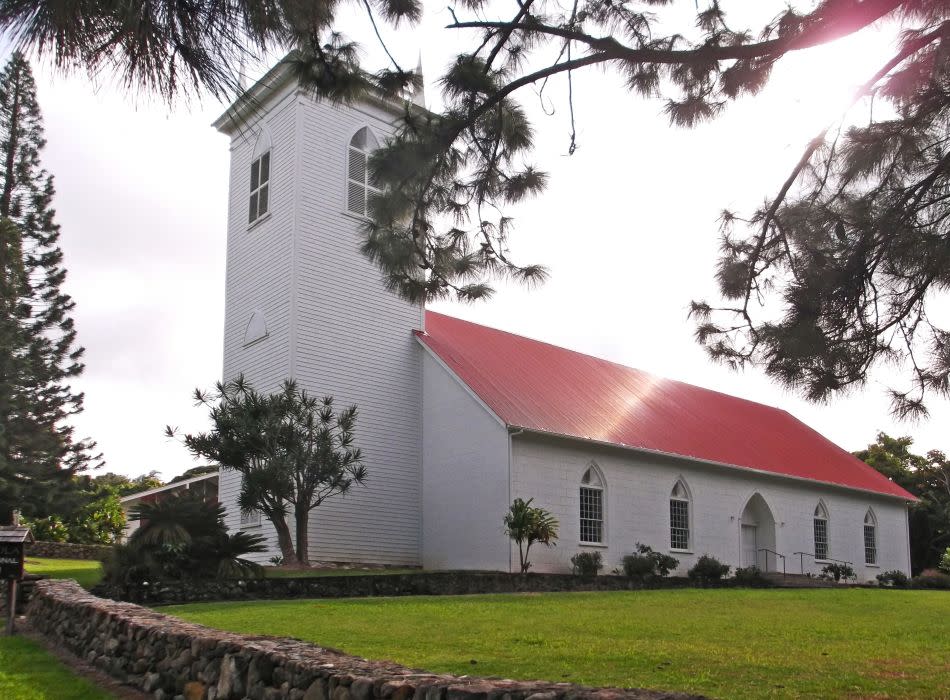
[[357, 165], [356, 198]]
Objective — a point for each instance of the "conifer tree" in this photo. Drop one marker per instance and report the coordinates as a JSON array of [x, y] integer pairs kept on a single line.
[[39, 455]]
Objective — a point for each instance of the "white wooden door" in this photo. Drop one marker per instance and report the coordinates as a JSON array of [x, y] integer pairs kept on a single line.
[[748, 545]]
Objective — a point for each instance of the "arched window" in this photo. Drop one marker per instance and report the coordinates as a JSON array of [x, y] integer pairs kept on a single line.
[[679, 517], [260, 179], [821, 531], [256, 327], [592, 506], [360, 187], [870, 538]]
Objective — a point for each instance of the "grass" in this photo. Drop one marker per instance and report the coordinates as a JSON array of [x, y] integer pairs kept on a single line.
[[727, 643], [87, 573], [29, 672]]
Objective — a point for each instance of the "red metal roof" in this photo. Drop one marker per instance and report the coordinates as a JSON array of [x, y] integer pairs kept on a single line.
[[541, 387]]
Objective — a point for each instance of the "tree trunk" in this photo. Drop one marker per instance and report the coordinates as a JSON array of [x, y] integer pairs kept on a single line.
[[284, 540], [303, 537]]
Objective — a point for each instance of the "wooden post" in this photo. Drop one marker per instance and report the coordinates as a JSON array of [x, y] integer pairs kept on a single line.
[[11, 605], [13, 541]]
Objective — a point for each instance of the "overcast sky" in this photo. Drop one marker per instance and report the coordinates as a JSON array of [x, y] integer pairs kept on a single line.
[[627, 227]]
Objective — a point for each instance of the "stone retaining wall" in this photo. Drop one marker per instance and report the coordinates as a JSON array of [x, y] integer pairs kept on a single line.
[[66, 550], [174, 659], [24, 593], [361, 586]]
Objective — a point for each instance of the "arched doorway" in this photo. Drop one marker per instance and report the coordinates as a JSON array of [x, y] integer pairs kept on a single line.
[[757, 534]]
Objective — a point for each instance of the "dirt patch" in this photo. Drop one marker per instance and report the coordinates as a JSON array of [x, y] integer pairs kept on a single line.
[[888, 670]]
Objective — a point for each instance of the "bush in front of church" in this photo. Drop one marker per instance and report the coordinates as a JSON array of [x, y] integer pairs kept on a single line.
[[587, 563], [749, 576], [837, 571], [646, 564], [931, 578], [182, 536], [708, 569], [894, 578]]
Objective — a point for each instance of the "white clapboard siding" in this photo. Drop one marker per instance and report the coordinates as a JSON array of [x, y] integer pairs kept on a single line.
[[637, 508], [259, 268], [355, 342], [466, 481]]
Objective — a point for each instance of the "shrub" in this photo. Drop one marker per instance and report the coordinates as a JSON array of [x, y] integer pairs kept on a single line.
[[587, 563], [100, 521], [645, 564], [945, 561], [183, 536], [708, 569], [931, 578], [894, 578], [749, 576], [838, 571]]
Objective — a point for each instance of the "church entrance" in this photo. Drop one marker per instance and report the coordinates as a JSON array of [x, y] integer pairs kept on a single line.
[[757, 535], [748, 545]]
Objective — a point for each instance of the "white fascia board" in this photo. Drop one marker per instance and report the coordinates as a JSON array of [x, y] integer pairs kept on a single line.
[[168, 487]]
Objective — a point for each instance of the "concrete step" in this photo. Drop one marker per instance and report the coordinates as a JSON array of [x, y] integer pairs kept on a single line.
[[796, 581]]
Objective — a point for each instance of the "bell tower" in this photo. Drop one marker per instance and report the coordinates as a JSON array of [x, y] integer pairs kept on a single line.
[[302, 302]]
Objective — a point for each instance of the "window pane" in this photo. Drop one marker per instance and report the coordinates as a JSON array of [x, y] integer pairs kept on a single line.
[[262, 202], [255, 174], [870, 545], [592, 515], [265, 167], [252, 209], [356, 198], [679, 524], [821, 538], [357, 166]]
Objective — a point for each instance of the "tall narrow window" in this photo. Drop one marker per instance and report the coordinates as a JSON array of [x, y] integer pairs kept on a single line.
[[260, 187], [592, 507], [679, 517], [359, 185], [821, 532], [870, 538]]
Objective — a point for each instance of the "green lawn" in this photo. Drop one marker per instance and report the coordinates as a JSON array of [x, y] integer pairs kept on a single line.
[[730, 643], [29, 672], [86, 573]]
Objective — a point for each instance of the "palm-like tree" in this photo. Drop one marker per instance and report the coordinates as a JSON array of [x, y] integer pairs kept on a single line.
[[526, 524]]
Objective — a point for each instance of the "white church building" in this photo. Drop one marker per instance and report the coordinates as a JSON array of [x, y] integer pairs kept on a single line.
[[456, 419]]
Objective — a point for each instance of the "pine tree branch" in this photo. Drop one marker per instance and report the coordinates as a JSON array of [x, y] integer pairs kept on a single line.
[[848, 19]]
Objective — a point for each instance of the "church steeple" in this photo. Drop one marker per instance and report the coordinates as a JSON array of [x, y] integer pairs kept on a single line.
[[419, 94]]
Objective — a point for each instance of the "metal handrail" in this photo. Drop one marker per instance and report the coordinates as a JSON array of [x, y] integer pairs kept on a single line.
[[772, 551], [802, 555]]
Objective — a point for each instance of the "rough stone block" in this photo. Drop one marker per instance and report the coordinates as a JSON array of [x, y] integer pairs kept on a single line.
[[195, 690]]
